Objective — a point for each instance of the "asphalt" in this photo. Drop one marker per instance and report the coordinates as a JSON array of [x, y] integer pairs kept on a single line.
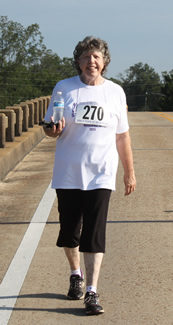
[[135, 284]]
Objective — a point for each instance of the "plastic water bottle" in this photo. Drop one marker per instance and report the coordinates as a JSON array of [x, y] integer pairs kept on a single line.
[[58, 108]]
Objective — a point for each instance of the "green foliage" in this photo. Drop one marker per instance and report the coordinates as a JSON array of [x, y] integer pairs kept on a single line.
[[166, 102], [29, 70], [142, 86], [19, 45], [117, 81]]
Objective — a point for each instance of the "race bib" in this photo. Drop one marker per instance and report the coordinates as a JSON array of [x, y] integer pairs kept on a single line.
[[92, 113]]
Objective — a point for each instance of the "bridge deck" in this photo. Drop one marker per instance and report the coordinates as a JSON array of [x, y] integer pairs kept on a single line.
[[135, 284]]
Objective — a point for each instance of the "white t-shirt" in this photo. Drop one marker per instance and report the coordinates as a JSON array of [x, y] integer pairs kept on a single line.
[[86, 157]]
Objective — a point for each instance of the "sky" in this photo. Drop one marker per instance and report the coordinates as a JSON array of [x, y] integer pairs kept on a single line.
[[135, 30]]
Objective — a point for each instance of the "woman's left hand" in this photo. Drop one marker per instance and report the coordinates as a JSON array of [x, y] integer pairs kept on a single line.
[[130, 183]]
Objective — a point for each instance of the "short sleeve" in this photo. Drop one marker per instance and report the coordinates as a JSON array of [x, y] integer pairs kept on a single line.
[[123, 125]]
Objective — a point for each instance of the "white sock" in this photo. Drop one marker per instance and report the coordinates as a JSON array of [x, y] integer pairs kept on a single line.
[[91, 288], [76, 272]]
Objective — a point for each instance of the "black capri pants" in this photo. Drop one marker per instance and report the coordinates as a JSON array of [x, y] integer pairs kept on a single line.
[[83, 216]]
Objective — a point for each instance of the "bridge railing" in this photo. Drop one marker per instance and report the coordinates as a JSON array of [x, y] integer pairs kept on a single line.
[[16, 119]]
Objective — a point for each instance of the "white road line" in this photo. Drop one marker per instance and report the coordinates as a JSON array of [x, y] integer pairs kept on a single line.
[[17, 271]]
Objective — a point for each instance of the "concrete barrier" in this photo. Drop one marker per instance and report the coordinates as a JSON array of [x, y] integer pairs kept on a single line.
[[13, 121], [25, 109], [10, 130], [44, 105], [19, 119], [40, 103], [15, 151], [31, 113], [3, 127], [36, 110], [46, 101]]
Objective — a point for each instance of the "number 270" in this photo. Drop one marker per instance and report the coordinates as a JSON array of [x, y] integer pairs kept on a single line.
[[91, 114]]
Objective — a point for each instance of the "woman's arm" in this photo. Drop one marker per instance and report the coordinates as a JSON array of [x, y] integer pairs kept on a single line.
[[123, 143]]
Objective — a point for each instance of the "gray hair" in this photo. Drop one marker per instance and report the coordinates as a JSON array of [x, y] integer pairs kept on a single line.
[[91, 43]]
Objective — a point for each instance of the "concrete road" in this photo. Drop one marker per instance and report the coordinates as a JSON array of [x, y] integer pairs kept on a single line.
[[136, 280]]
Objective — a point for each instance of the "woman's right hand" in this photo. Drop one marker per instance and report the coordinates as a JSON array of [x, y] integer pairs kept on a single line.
[[54, 131]]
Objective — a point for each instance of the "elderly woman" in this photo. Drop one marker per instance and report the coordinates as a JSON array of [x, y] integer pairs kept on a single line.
[[86, 161]]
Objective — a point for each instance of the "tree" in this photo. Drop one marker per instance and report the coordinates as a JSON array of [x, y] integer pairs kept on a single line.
[[50, 70], [166, 101], [117, 81], [20, 45], [142, 86], [20, 49], [27, 68]]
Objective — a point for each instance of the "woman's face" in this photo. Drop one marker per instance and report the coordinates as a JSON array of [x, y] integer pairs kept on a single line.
[[91, 64]]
